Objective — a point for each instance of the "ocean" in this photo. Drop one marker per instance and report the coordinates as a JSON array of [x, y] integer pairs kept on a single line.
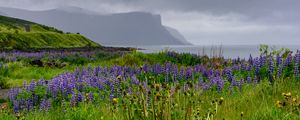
[[227, 51]]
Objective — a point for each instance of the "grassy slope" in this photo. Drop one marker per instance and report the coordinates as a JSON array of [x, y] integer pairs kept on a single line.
[[13, 35]]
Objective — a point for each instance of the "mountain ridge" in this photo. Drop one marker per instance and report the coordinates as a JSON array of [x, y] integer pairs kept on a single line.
[[133, 28]]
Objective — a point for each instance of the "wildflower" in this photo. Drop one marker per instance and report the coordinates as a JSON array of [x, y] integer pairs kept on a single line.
[[73, 100], [288, 94], [115, 100], [45, 105], [221, 100], [257, 64], [90, 97], [4, 106], [271, 66], [296, 68], [119, 77], [278, 103], [242, 114], [279, 71], [80, 98], [294, 99], [189, 73], [145, 68], [288, 60]]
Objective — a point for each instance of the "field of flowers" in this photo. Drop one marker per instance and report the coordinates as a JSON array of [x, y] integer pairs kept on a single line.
[[263, 87]]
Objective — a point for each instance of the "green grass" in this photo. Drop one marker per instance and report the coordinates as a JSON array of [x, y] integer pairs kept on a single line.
[[20, 72], [256, 103], [14, 36], [138, 58], [43, 40]]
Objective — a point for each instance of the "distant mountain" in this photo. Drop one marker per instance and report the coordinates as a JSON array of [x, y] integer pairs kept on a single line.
[[177, 35], [22, 34], [134, 28]]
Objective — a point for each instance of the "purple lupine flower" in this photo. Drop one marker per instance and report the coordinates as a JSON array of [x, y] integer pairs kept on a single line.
[[279, 71], [175, 73], [134, 80], [16, 106], [243, 67], [13, 93], [220, 84], [31, 86], [167, 70], [29, 104], [189, 73], [45, 105], [229, 74], [90, 97], [249, 79], [181, 73], [129, 91], [278, 60], [249, 67], [288, 60], [41, 83], [262, 60], [200, 79], [271, 66], [145, 68], [234, 82], [217, 73], [73, 101], [297, 60], [205, 86], [112, 88], [257, 66], [157, 69]]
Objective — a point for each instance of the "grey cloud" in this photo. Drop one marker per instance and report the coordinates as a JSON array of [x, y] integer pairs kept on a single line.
[[230, 21]]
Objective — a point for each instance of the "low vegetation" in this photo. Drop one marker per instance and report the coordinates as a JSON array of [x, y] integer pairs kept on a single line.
[[21, 34], [164, 85]]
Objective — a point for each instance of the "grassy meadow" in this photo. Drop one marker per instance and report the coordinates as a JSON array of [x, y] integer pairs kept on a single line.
[[93, 85]]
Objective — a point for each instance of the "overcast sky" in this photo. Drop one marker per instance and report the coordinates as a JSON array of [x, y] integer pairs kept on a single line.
[[203, 21]]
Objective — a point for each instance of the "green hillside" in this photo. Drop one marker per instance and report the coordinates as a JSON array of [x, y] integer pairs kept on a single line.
[[21, 34]]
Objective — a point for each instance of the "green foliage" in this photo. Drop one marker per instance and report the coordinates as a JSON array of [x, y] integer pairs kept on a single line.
[[9, 24], [138, 59], [3, 83], [266, 50], [191, 104], [4, 71], [43, 40], [14, 36]]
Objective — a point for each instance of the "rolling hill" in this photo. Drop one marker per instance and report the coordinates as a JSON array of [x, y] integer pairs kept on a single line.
[[21, 34]]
